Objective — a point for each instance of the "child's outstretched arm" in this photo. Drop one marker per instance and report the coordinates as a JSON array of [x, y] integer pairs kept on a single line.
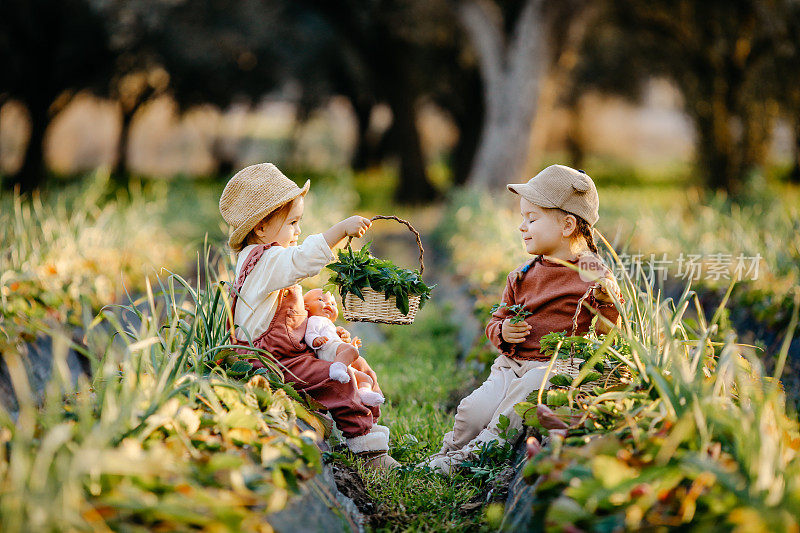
[[286, 266], [354, 226]]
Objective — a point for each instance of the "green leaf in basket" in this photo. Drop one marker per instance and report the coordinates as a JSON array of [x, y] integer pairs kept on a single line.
[[356, 270], [561, 380], [402, 302], [357, 291]]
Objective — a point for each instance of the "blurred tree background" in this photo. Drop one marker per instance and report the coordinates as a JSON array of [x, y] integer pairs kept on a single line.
[[477, 91]]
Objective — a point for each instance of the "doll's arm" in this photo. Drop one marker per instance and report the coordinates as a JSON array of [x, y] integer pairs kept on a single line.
[[345, 336], [314, 333]]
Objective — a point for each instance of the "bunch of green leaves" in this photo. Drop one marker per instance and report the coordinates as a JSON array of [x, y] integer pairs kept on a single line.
[[518, 312], [356, 270], [580, 346]]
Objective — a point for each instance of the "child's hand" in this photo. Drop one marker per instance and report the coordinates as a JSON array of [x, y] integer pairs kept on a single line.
[[319, 341], [607, 286], [356, 342], [514, 333], [355, 226]]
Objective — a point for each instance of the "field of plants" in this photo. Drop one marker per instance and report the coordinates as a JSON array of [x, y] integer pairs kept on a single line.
[[171, 432], [701, 435]]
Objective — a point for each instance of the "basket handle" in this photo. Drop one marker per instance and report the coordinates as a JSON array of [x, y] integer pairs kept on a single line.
[[410, 227]]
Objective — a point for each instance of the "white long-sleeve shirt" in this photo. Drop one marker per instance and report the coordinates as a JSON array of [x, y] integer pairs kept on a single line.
[[277, 269]]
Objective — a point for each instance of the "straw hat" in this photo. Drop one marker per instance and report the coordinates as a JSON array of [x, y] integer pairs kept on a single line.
[[253, 193], [562, 187]]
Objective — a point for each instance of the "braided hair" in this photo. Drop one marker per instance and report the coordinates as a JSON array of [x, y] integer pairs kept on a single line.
[[585, 230]]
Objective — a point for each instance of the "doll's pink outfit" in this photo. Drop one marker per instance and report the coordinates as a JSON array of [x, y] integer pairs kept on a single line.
[[273, 295]]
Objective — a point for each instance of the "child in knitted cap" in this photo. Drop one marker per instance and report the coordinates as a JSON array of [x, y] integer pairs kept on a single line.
[[329, 343], [558, 206]]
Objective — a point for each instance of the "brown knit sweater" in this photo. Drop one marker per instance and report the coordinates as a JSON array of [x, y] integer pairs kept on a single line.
[[550, 291]]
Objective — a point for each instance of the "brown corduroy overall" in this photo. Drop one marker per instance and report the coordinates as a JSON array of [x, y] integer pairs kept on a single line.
[[284, 339]]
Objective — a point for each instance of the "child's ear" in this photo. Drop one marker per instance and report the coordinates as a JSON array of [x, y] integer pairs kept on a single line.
[[569, 225]]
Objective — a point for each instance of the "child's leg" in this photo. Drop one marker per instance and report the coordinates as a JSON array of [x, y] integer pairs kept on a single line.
[[475, 411], [527, 377], [310, 375]]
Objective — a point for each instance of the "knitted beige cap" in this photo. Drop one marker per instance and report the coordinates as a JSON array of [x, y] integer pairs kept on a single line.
[[253, 193], [562, 187]]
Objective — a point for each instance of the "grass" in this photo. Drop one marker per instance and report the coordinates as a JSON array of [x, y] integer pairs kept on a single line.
[[422, 380]]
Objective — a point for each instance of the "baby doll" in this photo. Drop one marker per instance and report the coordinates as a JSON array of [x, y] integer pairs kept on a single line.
[[329, 343]]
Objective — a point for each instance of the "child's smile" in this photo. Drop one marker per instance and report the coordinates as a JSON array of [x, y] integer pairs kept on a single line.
[[541, 232]]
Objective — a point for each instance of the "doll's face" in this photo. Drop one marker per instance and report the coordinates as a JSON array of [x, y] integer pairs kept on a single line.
[[285, 230], [544, 231], [318, 303]]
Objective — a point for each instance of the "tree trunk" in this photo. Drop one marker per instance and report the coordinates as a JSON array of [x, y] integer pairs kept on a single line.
[[511, 74], [31, 174], [576, 141], [120, 172], [463, 154], [362, 155], [715, 149], [727, 155], [414, 187]]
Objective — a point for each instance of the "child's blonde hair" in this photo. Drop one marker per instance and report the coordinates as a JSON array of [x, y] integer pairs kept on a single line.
[[583, 231]]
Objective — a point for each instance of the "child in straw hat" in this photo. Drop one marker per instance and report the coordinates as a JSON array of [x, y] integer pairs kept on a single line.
[[265, 208], [558, 207]]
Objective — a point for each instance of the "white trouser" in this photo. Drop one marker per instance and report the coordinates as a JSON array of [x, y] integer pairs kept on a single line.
[[509, 383]]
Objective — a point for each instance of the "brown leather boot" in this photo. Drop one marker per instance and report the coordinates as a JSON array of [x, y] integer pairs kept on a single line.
[[379, 460]]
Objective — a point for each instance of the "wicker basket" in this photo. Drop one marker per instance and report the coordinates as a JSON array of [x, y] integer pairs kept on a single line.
[[613, 375], [375, 307]]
